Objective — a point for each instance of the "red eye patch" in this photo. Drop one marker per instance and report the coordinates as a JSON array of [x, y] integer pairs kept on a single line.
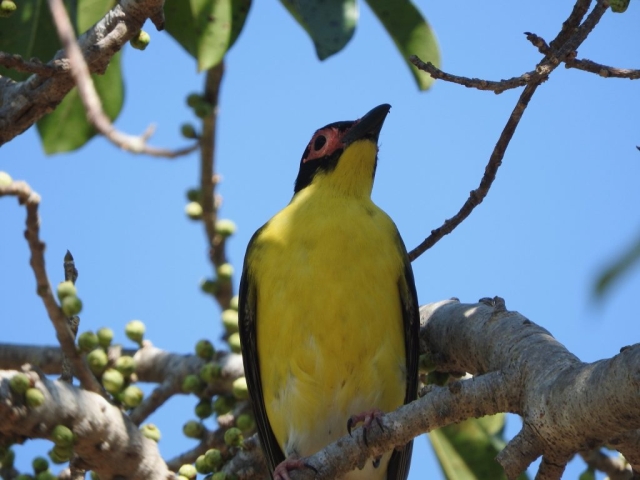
[[323, 143]]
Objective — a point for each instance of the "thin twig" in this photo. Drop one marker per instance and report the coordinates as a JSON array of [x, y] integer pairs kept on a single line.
[[477, 196], [34, 65], [578, 12], [89, 95], [575, 40], [538, 42], [70, 275], [603, 70], [158, 397], [477, 83], [208, 181], [210, 439], [543, 69], [28, 197]]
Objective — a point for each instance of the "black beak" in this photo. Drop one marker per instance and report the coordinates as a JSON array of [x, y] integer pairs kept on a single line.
[[368, 126]]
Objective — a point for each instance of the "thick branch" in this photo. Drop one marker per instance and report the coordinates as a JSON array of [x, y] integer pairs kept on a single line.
[[567, 405], [107, 441], [474, 397]]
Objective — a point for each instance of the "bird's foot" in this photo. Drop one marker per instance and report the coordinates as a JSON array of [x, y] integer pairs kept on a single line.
[[281, 472], [367, 417]]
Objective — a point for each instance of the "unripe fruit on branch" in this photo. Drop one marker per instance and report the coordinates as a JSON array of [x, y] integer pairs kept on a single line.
[[97, 360], [71, 305], [19, 383], [140, 41], [150, 431], [7, 7], [105, 336], [34, 397], [135, 331]]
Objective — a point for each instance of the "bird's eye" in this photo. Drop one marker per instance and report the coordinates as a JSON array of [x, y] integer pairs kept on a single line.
[[319, 142]]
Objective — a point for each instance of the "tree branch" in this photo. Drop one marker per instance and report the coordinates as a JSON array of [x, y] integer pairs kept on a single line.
[[24, 103], [152, 363], [106, 440], [90, 98], [567, 406], [615, 468], [562, 47], [208, 180], [34, 65], [602, 70], [70, 275], [31, 200], [477, 83], [477, 196]]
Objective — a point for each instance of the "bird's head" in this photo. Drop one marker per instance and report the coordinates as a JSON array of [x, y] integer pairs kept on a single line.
[[343, 155]]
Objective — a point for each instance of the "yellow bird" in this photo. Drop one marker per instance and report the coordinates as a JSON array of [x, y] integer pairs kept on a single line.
[[328, 308]]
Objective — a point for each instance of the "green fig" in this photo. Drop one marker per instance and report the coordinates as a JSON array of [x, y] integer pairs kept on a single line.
[[19, 383], [150, 431]]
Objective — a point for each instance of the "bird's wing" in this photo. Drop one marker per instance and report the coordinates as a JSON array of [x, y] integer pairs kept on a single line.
[[398, 468], [247, 323]]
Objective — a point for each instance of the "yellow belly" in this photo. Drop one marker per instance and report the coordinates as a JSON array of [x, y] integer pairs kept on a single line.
[[329, 319]]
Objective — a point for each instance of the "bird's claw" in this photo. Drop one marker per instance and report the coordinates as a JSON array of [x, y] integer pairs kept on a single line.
[[366, 418], [281, 472]]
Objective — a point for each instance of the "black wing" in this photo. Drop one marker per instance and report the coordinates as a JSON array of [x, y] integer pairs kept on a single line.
[[247, 323], [400, 459]]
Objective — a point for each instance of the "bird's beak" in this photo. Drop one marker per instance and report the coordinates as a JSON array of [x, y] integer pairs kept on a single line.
[[368, 126]]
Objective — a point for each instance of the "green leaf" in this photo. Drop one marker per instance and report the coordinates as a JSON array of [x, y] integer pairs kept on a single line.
[[213, 26], [180, 25], [90, 12], [467, 450], [67, 127], [28, 32], [206, 29], [329, 23], [617, 269], [411, 33]]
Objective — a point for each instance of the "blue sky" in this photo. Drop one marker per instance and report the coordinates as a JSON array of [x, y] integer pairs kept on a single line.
[[564, 204]]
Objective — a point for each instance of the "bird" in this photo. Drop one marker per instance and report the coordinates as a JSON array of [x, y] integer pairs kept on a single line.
[[328, 310]]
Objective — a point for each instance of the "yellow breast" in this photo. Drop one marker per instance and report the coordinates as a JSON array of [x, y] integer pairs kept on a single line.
[[329, 319]]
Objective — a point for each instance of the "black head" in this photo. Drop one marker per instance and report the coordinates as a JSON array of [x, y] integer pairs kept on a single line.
[[328, 143]]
